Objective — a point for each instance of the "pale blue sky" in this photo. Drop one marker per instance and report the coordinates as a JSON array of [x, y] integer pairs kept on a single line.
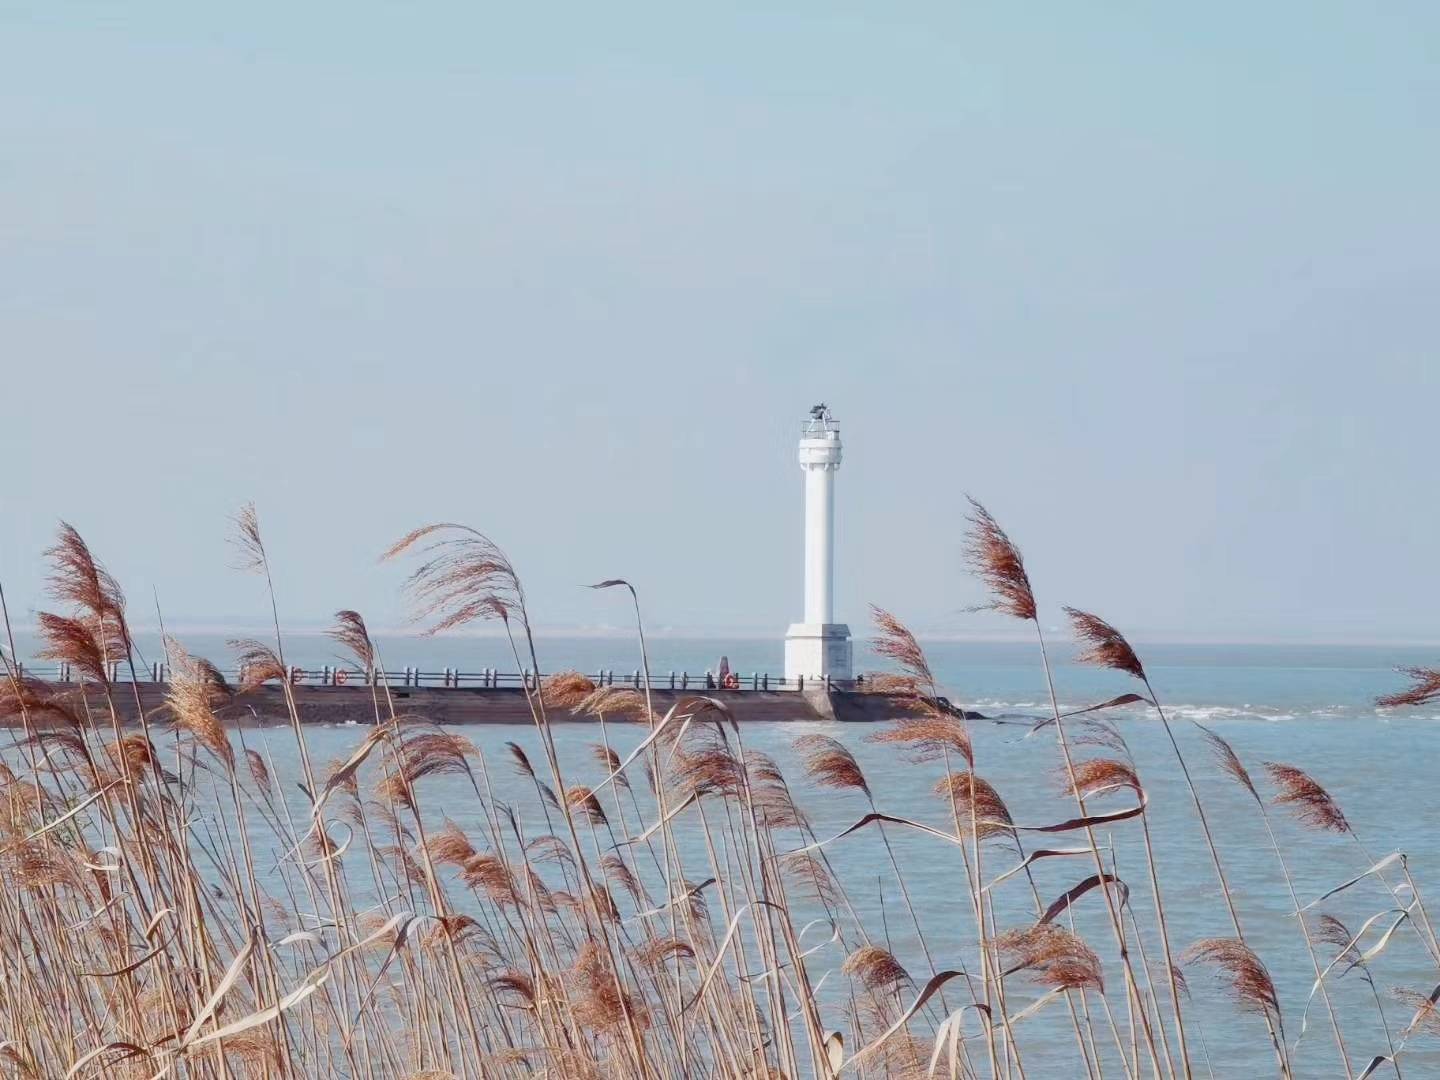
[[1158, 283]]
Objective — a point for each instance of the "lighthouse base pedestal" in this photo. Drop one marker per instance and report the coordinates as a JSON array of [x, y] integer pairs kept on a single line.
[[817, 650]]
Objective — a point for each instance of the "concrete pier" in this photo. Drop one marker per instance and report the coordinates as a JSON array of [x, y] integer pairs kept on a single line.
[[356, 703]]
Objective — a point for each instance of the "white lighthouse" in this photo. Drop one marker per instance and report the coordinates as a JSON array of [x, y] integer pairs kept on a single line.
[[819, 646]]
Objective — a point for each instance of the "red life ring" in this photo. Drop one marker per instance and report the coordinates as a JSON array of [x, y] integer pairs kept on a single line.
[[297, 676], [732, 682], [341, 677]]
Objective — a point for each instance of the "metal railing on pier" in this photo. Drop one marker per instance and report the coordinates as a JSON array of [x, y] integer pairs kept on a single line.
[[455, 679]]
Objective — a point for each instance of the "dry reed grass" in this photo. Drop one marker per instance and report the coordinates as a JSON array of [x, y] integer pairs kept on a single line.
[[164, 911]]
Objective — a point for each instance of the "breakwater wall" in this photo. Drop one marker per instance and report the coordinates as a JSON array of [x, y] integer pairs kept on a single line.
[[356, 703]]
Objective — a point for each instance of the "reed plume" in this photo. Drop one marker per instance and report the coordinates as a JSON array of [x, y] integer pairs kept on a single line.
[[598, 1003], [1426, 1018], [615, 702], [1230, 762], [928, 737], [247, 541], [258, 664], [566, 690], [995, 559], [464, 577], [830, 763], [655, 952], [77, 578], [351, 633], [973, 798], [82, 644], [1424, 689], [1051, 955], [875, 969], [1311, 802], [895, 641], [582, 802], [1248, 977], [1101, 776], [1107, 647], [191, 695]]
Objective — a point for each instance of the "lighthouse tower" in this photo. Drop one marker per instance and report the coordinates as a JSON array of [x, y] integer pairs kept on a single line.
[[819, 646]]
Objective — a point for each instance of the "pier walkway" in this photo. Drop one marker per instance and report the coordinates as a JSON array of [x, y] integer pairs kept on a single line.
[[485, 679], [338, 695]]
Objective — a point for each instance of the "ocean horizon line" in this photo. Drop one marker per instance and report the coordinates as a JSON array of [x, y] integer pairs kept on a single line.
[[1061, 635]]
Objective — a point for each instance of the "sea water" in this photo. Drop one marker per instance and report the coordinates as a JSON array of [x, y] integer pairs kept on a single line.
[[1310, 706]]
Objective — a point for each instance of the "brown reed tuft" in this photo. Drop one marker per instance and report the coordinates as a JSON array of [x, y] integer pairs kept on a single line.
[[889, 682], [875, 969], [566, 690], [1100, 776], [25, 696], [1093, 731], [830, 763], [615, 702], [710, 770], [516, 984], [81, 643], [457, 928], [656, 951], [246, 539], [1249, 979], [464, 577], [258, 664], [425, 753], [257, 1051], [521, 759], [78, 579], [351, 633], [931, 735], [604, 903], [1426, 1018], [1331, 930], [618, 870], [894, 640], [1424, 688], [450, 845], [190, 696], [974, 796], [1107, 646], [582, 801], [487, 871], [259, 771], [811, 876], [609, 760], [775, 807], [1051, 955], [995, 559], [1230, 761], [134, 755], [549, 848], [599, 1004], [1312, 803]]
